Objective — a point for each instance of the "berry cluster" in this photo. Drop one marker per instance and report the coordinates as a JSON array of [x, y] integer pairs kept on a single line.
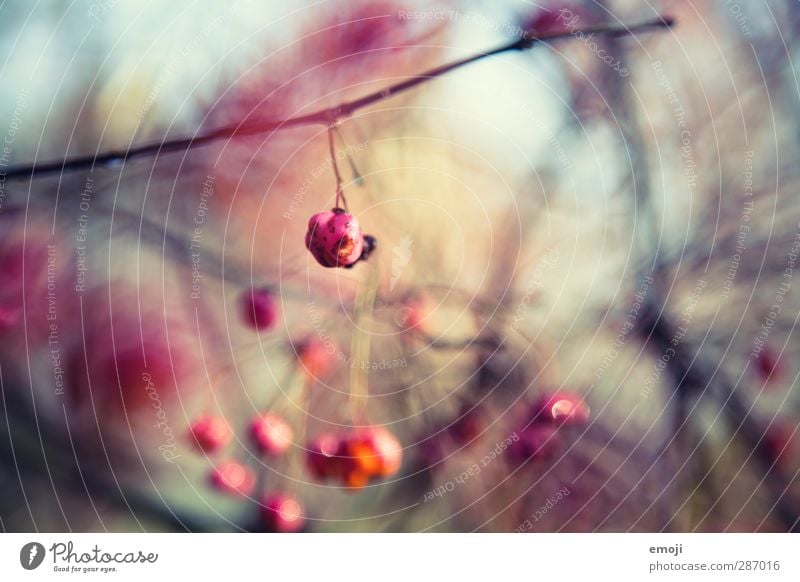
[[355, 459], [271, 436]]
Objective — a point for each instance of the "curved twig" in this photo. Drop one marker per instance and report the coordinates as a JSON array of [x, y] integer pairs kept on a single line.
[[326, 116]]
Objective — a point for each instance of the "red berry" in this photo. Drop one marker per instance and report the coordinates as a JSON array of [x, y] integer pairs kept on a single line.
[[562, 408], [210, 433], [334, 238], [233, 477], [321, 457], [259, 309], [271, 434], [282, 513]]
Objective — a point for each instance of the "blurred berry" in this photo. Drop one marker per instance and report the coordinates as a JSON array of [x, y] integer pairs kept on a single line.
[[233, 477], [259, 309], [321, 457], [316, 357], [778, 442], [368, 454], [271, 434], [210, 433], [282, 513], [768, 366]]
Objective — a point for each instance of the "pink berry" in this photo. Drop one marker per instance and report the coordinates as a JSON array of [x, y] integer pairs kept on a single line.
[[322, 459], [282, 513], [334, 238], [210, 433], [562, 408], [233, 477], [271, 434], [259, 309]]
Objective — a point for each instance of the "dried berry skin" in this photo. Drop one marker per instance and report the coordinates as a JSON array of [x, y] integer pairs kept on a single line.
[[334, 238]]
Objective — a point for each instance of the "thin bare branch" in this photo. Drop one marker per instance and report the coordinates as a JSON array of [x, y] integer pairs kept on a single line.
[[326, 116]]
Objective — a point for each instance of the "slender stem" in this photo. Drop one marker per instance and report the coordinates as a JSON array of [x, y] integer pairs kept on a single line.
[[322, 117], [357, 177], [340, 199], [360, 352]]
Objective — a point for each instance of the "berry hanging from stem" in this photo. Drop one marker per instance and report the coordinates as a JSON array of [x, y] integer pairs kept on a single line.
[[341, 201]]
